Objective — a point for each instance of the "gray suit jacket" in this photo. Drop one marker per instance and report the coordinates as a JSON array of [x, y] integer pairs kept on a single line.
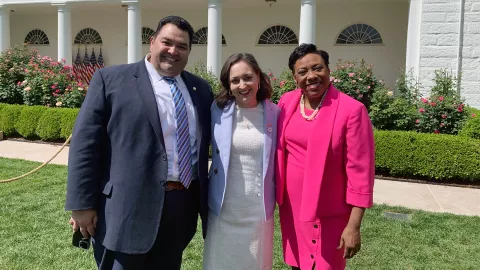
[[117, 161]]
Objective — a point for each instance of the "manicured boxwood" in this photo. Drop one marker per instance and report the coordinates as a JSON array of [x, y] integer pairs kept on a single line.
[[27, 122], [34, 122], [8, 117], [67, 122], [433, 156], [472, 128], [48, 127]]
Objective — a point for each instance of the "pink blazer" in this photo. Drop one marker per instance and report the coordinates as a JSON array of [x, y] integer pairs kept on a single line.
[[340, 159]]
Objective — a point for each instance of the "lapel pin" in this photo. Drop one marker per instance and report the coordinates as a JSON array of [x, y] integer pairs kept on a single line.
[[194, 88], [269, 129]]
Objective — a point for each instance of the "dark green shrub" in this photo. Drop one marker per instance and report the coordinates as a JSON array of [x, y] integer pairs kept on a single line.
[[392, 113], [27, 122], [8, 118], [471, 128], [67, 122], [436, 157], [48, 126]]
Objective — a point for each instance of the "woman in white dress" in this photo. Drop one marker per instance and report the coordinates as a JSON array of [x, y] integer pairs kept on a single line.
[[241, 187]]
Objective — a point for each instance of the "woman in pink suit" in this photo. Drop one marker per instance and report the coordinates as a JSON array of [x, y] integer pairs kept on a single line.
[[325, 166]]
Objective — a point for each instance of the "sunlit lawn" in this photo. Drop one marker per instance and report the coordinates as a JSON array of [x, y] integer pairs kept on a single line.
[[35, 234]]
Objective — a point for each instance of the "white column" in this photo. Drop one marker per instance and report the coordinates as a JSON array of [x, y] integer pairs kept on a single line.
[[308, 20], [64, 33], [413, 38], [4, 27], [134, 31], [214, 41]]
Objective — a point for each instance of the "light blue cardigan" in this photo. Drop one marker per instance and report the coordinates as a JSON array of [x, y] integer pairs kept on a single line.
[[222, 123]]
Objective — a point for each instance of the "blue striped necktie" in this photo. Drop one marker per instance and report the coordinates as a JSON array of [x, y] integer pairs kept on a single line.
[[182, 133]]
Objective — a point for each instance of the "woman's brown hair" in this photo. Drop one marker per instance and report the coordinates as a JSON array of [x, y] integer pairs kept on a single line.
[[225, 94]]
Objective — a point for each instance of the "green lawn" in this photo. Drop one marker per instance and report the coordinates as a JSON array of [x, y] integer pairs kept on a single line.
[[35, 234]]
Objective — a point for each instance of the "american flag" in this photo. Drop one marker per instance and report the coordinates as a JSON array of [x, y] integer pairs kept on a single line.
[[100, 63], [93, 65], [77, 67], [86, 67]]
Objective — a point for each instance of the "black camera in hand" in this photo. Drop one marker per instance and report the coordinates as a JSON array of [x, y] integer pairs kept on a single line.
[[78, 240]]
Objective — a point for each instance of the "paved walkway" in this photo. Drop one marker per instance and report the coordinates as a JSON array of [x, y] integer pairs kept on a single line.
[[435, 198]]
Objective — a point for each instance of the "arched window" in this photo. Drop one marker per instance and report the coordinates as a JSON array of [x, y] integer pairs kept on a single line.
[[147, 34], [201, 37], [278, 35], [88, 36], [359, 34], [37, 37]]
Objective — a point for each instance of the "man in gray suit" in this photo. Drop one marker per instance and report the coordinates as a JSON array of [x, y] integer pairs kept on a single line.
[[138, 160]]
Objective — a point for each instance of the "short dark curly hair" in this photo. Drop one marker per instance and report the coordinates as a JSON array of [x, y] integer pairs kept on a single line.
[[303, 50], [178, 22]]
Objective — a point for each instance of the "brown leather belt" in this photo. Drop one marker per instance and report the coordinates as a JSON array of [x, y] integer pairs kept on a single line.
[[172, 185]]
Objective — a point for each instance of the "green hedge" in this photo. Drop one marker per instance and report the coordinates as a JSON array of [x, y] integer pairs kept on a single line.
[[471, 128], [48, 127], [49, 124], [398, 153], [8, 117], [67, 122], [433, 156], [27, 121]]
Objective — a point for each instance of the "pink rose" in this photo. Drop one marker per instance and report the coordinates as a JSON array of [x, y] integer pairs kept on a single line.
[[437, 131], [417, 121], [421, 110], [351, 74], [441, 98]]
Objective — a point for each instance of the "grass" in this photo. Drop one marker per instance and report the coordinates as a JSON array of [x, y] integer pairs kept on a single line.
[[35, 234]]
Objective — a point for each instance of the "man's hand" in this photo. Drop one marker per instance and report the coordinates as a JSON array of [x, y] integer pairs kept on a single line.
[[85, 220], [351, 240]]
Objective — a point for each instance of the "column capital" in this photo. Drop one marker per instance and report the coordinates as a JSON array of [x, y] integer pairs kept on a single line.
[[308, 1], [61, 6], [214, 3], [131, 2]]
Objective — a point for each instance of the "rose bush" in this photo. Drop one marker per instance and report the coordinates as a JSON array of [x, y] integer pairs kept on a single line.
[[28, 78]]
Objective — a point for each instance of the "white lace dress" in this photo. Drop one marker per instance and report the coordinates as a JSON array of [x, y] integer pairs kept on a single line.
[[240, 238]]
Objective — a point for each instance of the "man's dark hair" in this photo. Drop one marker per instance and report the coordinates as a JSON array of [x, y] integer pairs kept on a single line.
[[303, 50], [178, 22]]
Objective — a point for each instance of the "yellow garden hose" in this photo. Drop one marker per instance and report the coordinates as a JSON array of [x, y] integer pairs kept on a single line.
[[39, 167]]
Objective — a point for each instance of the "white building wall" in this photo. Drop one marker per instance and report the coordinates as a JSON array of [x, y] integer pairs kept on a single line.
[[241, 34], [439, 47], [439, 39], [471, 54]]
